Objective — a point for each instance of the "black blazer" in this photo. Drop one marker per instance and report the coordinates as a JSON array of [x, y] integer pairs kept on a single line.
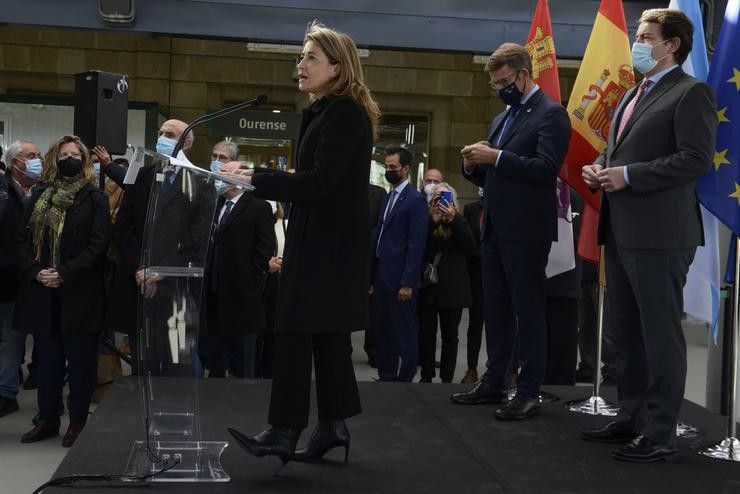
[[85, 239], [667, 145], [241, 249], [453, 288], [11, 216], [324, 283], [519, 193], [472, 214]]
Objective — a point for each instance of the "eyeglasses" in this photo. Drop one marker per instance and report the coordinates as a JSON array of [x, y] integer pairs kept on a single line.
[[502, 82]]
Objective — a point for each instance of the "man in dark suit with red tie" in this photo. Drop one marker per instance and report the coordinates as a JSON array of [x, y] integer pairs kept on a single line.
[[660, 142], [517, 167]]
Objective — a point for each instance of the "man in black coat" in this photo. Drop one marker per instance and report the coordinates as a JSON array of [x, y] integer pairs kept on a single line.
[[242, 244], [128, 236], [12, 202], [473, 214]]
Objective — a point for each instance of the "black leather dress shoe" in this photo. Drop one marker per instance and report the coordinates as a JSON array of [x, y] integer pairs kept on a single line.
[[643, 450], [329, 434], [610, 433], [275, 441], [479, 394], [519, 408]]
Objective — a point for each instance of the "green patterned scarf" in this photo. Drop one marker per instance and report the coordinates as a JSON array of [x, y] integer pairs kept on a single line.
[[50, 211]]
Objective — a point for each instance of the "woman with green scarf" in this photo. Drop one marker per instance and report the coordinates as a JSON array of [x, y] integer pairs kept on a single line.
[[61, 252]]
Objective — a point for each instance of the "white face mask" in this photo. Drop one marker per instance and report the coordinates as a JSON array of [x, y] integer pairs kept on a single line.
[[429, 189]]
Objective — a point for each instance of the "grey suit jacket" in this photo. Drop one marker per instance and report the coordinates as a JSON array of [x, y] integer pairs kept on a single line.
[[666, 146]]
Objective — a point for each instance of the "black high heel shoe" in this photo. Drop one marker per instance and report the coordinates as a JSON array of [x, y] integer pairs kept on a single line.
[[328, 434], [275, 441]]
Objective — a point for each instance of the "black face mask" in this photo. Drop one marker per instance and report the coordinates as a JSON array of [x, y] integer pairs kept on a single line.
[[70, 166], [511, 95], [392, 177]]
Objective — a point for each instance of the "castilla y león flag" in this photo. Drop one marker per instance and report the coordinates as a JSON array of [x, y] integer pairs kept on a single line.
[[541, 47], [605, 75]]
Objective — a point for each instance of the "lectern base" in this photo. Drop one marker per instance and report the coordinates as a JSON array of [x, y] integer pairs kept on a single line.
[[198, 461]]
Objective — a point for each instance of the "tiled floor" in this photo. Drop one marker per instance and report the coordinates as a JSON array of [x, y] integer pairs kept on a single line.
[[23, 467]]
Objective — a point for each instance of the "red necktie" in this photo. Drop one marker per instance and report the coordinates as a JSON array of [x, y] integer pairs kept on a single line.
[[631, 106]]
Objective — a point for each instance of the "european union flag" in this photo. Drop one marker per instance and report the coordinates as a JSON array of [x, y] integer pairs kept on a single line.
[[719, 191]]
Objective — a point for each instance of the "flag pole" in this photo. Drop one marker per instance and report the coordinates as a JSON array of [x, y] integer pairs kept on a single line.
[[596, 405], [729, 447]]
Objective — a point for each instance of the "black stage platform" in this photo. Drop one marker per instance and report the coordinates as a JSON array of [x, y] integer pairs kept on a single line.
[[410, 439]]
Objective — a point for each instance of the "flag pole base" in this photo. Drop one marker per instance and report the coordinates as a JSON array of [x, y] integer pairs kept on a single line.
[[686, 431], [728, 449], [595, 405]]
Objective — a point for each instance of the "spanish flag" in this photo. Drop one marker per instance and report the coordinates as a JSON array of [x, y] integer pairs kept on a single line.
[[605, 75]]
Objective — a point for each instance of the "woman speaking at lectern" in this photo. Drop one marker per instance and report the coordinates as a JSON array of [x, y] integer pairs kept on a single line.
[[324, 283]]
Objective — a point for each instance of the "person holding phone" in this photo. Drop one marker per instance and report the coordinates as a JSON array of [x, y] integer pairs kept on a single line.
[[449, 244], [320, 301]]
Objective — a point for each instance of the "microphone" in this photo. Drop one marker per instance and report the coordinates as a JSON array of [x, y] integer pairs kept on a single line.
[[261, 99]]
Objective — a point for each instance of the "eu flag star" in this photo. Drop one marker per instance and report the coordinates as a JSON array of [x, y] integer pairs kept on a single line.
[[720, 158], [722, 115], [735, 78], [736, 194]]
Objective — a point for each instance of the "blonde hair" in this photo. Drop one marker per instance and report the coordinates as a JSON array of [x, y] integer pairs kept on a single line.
[[51, 170], [340, 49]]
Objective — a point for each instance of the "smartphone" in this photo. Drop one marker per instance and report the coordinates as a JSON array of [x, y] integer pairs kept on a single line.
[[445, 198]]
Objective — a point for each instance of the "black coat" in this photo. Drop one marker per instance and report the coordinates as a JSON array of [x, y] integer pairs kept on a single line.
[[472, 213], [241, 249], [453, 288], [83, 249], [324, 283], [11, 216]]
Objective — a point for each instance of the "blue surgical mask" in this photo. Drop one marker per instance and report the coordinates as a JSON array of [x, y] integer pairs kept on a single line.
[[34, 168], [221, 187], [216, 166], [166, 145], [511, 95], [642, 57]]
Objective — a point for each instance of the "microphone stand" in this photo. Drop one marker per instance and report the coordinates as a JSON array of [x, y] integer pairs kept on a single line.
[[217, 114]]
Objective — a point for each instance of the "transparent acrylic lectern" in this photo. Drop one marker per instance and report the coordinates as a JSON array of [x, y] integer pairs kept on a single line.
[[182, 205]]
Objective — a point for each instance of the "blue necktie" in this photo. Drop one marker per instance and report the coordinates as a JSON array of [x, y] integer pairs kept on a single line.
[[229, 205], [388, 209], [507, 123], [169, 177]]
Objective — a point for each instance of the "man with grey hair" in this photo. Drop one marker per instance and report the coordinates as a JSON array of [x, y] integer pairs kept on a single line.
[[24, 170], [222, 153]]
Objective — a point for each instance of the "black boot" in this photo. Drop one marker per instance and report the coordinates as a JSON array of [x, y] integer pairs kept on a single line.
[[328, 434], [275, 441]]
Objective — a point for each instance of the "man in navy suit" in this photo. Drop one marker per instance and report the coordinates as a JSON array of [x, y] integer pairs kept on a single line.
[[399, 248], [517, 167]]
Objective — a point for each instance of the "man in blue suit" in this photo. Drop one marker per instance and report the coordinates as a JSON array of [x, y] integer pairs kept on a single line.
[[517, 167], [399, 248]]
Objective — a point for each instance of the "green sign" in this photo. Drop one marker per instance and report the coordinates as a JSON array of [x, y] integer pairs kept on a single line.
[[258, 125]]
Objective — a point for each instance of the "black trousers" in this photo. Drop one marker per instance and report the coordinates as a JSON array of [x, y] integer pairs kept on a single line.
[[588, 306], [449, 320], [336, 387], [646, 300], [561, 316], [475, 314], [81, 351]]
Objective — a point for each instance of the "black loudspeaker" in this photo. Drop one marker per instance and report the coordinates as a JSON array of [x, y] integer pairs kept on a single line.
[[101, 110]]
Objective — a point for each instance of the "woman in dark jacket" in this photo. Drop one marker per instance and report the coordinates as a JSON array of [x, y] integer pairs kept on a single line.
[[324, 283], [61, 252], [449, 244]]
